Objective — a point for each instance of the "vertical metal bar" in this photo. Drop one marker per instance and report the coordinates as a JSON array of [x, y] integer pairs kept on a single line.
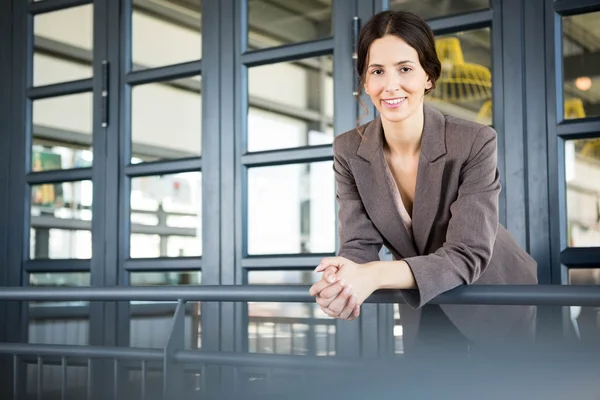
[[293, 338], [274, 347], [40, 378], [15, 377], [89, 380], [115, 379], [173, 380], [144, 372], [63, 377]]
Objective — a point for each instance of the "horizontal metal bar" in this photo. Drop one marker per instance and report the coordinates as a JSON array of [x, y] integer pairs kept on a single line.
[[542, 295], [68, 224], [45, 266], [289, 111], [45, 6], [265, 360], [289, 52], [164, 264], [573, 7], [283, 262], [59, 176], [288, 156], [163, 230], [577, 129], [121, 353], [170, 72], [60, 89], [581, 257], [164, 167], [461, 22]]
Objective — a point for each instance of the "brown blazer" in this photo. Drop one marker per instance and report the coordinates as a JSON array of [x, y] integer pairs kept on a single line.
[[457, 237]]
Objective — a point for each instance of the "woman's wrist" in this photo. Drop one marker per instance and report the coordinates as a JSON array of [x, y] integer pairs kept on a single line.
[[391, 275]]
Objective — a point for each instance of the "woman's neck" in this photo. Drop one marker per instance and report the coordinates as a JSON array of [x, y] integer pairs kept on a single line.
[[404, 137]]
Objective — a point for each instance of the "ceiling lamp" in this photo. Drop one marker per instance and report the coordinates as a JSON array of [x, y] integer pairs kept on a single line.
[[583, 83], [460, 81]]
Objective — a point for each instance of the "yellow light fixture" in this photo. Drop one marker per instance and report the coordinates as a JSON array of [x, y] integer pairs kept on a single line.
[[460, 81]]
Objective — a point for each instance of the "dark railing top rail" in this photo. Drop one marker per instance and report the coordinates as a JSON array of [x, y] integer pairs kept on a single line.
[[542, 295], [76, 351]]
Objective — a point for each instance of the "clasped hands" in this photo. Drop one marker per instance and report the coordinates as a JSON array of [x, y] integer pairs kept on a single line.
[[343, 287]]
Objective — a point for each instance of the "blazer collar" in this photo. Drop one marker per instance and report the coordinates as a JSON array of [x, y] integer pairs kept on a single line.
[[433, 142]]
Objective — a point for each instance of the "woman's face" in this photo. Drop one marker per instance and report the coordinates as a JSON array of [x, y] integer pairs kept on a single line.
[[395, 80]]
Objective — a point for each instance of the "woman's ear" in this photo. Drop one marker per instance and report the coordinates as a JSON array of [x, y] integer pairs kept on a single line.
[[428, 84]]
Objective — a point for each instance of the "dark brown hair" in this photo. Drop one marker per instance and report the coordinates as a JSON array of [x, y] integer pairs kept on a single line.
[[408, 27]]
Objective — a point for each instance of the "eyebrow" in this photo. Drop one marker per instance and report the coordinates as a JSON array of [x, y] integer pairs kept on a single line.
[[398, 63]]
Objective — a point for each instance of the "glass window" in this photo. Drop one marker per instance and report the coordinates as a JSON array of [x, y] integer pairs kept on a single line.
[[464, 88], [150, 323], [166, 120], [278, 22], [582, 173], [290, 104], [165, 33], [61, 215], [59, 322], [427, 9], [63, 45], [291, 209], [62, 132], [288, 328], [166, 216], [585, 321], [581, 63]]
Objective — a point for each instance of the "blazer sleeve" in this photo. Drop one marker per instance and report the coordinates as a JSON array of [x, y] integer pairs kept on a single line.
[[472, 228], [360, 241]]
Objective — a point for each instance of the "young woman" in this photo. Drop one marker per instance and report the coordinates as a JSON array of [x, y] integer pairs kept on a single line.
[[426, 186]]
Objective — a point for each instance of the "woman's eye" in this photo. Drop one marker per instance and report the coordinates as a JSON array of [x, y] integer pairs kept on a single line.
[[405, 69], [377, 72]]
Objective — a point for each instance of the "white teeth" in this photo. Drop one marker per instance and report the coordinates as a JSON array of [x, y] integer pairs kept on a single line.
[[395, 101]]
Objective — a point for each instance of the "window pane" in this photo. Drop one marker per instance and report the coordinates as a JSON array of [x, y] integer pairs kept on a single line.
[[288, 328], [62, 132], [291, 104], [291, 209], [582, 172], [275, 23], [166, 121], [438, 8], [61, 215], [465, 85], [158, 25], [59, 322], [150, 323], [63, 45], [581, 63], [166, 216]]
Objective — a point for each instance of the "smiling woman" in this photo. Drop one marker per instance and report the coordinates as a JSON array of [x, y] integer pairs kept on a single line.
[[425, 185]]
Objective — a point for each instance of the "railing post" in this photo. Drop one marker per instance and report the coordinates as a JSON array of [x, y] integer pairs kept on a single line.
[[174, 378]]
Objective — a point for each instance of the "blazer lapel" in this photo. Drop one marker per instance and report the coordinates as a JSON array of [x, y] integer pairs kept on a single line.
[[371, 179], [430, 176]]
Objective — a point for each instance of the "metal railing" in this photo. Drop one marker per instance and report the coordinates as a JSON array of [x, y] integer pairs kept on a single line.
[[173, 372]]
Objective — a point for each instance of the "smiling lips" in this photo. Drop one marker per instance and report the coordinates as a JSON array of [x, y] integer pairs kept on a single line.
[[393, 103]]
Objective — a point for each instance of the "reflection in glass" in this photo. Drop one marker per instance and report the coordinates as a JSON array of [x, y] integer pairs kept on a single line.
[[61, 215], [155, 29], [291, 209], [585, 320], [464, 88], [290, 104], [150, 323], [166, 121], [166, 216], [275, 23], [288, 328], [581, 52], [582, 173], [62, 132], [427, 9], [51, 322], [63, 45]]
